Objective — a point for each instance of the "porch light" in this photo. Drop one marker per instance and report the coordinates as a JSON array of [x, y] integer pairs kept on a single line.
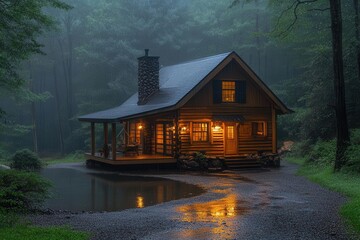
[[140, 127], [217, 126]]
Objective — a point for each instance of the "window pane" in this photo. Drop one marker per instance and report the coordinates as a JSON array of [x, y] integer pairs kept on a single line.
[[228, 91], [230, 132], [200, 132], [259, 128]]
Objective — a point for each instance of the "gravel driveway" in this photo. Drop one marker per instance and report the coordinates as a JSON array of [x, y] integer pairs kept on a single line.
[[263, 204]]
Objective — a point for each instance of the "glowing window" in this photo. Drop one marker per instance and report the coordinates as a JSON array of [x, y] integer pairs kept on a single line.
[[200, 132], [228, 91], [259, 128], [230, 132]]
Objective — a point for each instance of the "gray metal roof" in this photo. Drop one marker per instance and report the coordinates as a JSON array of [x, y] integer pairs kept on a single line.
[[176, 81]]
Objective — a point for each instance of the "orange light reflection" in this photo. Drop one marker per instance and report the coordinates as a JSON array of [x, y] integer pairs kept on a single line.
[[139, 202], [218, 212]]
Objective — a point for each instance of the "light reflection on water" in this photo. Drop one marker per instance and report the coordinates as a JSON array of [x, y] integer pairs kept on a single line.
[[78, 191], [219, 212]]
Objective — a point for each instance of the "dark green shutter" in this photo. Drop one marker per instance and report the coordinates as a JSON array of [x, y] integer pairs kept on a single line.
[[217, 91], [240, 91], [254, 126]]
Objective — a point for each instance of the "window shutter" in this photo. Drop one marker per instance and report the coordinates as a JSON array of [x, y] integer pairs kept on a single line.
[[254, 128], [240, 91], [217, 91]]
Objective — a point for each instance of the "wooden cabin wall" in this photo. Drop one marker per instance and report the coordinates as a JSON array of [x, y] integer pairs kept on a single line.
[[213, 147], [246, 145], [255, 97], [200, 108]]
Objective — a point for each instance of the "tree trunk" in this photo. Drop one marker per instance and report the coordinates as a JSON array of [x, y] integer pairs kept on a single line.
[[57, 100], [357, 34], [33, 114], [339, 85]]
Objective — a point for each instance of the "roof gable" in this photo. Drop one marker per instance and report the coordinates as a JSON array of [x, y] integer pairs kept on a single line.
[[178, 83]]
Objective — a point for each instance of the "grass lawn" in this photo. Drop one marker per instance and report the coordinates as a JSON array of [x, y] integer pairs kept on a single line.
[[70, 158], [41, 233], [347, 184]]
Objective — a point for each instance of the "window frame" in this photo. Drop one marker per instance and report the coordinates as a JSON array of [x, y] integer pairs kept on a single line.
[[201, 131], [233, 90], [264, 124]]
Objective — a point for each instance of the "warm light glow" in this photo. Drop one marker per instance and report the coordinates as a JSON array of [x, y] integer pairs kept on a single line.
[[140, 127], [183, 129], [217, 128], [218, 212], [139, 202]]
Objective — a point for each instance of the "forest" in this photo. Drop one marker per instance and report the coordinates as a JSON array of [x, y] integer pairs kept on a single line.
[[77, 57], [61, 59]]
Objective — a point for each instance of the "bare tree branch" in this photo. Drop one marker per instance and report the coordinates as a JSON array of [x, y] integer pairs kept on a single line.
[[295, 6]]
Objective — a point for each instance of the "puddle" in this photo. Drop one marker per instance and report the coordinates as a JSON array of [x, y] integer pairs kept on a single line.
[[75, 190], [220, 213]]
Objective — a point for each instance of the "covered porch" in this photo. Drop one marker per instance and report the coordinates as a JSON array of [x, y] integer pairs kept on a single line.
[[132, 142]]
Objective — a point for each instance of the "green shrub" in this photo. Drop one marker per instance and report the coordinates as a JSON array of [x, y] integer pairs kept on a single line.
[[201, 159], [21, 191], [353, 153], [8, 219], [300, 149], [323, 153], [25, 160]]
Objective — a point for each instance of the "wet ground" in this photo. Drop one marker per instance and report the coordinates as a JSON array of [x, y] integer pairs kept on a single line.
[[264, 204]]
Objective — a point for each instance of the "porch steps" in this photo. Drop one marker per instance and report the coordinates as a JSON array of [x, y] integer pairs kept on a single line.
[[240, 162]]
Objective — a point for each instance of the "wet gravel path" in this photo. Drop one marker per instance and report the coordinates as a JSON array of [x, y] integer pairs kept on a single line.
[[266, 204]]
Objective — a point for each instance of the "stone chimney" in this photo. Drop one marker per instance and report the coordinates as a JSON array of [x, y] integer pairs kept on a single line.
[[148, 77]]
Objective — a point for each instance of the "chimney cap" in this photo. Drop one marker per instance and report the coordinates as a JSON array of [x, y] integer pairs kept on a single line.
[[146, 52]]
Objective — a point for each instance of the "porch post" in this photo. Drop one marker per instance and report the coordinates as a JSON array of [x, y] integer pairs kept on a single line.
[[177, 140], [113, 142], [274, 130], [106, 134], [92, 138]]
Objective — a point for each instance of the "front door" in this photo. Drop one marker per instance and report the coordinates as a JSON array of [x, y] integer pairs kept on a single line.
[[164, 138], [230, 138]]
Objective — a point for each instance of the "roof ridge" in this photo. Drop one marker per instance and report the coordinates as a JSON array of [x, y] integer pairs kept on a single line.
[[199, 59]]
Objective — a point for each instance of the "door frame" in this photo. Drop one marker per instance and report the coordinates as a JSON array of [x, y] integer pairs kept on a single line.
[[165, 134], [235, 124]]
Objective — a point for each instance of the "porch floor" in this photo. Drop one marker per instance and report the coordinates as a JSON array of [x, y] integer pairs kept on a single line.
[[132, 160]]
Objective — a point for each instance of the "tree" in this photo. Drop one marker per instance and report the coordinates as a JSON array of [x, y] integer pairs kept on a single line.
[[339, 85], [342, 132], [21, 22]]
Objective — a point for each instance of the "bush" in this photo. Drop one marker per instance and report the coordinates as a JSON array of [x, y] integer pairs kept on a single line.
[[8, 219], [22, 191], [323, 152], [25, 160], [201, 159], [353, 153]]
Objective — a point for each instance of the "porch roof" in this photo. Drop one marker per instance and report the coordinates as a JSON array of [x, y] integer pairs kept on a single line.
[[229, 118]]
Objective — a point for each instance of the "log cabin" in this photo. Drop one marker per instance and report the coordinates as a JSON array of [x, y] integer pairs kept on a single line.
[[217, 105]]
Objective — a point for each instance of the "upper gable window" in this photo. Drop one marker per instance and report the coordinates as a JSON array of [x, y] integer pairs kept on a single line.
[[228, 91]]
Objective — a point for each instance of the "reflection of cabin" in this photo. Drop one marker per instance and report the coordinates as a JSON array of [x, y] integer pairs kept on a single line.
[[215, 104]]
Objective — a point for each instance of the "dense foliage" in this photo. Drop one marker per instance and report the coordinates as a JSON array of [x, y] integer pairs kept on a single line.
[[25, 160], [21, 191]]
